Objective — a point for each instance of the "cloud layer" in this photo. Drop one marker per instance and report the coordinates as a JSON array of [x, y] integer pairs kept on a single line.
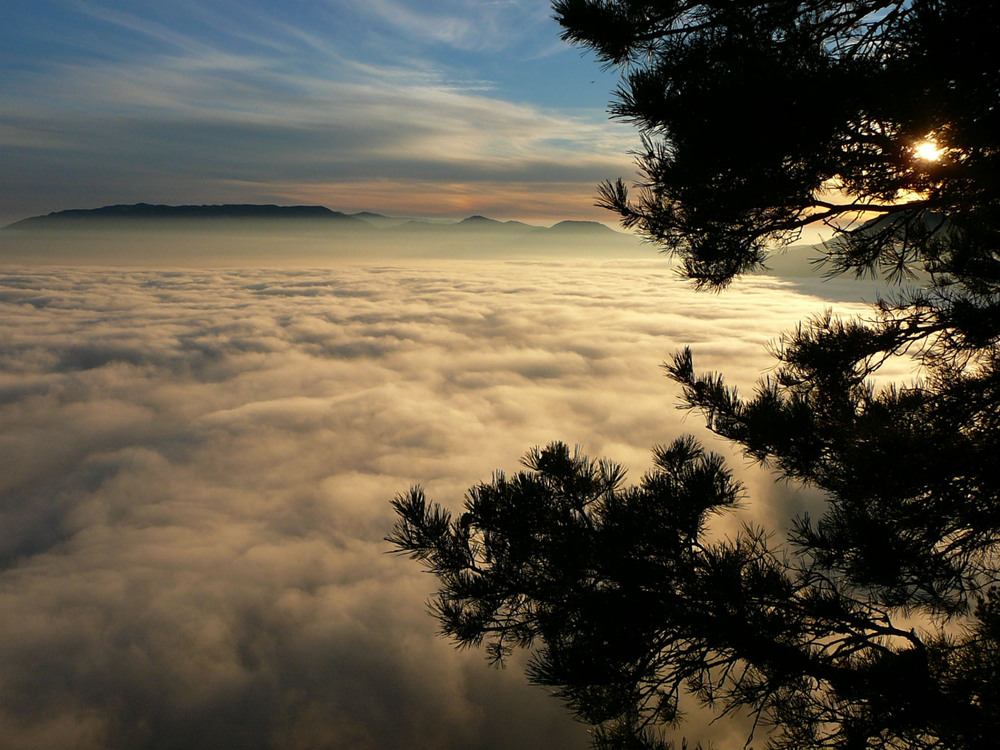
[[198, 464]]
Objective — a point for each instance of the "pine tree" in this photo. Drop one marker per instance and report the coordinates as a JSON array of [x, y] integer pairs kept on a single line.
[[876, 625]]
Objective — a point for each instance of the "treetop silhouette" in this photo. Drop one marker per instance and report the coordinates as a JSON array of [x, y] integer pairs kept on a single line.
[[876, 625]]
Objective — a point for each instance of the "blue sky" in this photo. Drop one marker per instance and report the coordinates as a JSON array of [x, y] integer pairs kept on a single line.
[[437, 108]]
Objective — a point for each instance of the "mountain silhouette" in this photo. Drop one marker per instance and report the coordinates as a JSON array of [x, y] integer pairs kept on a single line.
[[581, 227], [143, 214], [147, 212]]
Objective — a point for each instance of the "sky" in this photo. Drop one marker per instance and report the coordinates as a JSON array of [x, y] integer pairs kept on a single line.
[[409, 107]]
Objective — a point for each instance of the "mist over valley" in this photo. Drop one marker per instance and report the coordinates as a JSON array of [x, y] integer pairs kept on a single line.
[[202, 432]]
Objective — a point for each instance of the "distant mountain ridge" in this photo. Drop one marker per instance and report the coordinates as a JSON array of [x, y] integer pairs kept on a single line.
[[570, 227], [147, 211], [126, 214]]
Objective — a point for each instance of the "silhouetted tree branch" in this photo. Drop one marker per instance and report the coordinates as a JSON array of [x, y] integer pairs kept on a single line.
[[876, 625]]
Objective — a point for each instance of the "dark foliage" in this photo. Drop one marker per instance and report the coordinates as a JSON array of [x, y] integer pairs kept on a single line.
[[762, 117], [876, 625]]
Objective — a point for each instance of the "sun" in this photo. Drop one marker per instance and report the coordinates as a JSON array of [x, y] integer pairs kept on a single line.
[[927, 150]]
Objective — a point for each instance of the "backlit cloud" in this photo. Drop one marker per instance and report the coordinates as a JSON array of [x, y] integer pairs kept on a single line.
[[198, 464]]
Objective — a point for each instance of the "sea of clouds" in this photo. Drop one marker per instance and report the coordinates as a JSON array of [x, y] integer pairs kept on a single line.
[[197, 466]]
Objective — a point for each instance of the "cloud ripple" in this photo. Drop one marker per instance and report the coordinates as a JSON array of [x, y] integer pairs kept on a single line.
[[197, 468]]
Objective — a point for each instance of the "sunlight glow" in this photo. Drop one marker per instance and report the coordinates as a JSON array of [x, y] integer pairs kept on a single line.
[[927, 150]]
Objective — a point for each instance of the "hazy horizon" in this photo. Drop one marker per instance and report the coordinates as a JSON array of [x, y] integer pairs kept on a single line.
[[223, 243]]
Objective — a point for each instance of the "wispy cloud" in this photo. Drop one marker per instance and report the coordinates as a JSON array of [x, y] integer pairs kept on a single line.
[[222, 117], [463, 24], [127, 101]]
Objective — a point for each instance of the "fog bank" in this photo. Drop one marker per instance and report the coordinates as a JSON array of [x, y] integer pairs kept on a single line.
[[198, 465]]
